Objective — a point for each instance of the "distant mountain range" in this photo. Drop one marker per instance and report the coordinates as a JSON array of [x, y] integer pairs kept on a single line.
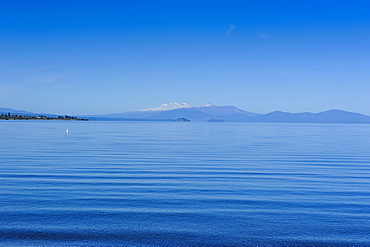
[[24, 113], [12, 111], [211, 113]]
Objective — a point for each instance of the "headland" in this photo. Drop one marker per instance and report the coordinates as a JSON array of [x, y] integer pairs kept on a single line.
[[40, 117]]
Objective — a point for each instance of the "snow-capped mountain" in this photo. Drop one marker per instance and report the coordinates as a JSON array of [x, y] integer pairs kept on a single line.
[[168, 107], [206, 112], [210, 108], [178, 110], [207, 105]]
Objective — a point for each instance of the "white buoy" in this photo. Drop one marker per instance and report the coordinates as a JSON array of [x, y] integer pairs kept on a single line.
[[67, 130]]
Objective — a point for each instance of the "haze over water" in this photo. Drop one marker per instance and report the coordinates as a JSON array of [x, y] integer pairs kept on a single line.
[[184, 184]]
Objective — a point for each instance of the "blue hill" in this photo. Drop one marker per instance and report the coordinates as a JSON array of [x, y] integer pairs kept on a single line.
[[18, 112], [331, 116], [188, 113], [224, 110]]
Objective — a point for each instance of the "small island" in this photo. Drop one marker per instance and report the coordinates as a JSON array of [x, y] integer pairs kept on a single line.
[[181, 119], [10, 116]]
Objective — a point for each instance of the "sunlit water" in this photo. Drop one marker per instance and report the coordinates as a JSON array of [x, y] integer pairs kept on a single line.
[[184, 184]]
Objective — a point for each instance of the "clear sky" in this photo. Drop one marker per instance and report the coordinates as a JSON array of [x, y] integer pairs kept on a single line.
[[109, 56]]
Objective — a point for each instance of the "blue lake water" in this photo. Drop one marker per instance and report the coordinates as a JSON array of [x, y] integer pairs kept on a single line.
[[184, 184]]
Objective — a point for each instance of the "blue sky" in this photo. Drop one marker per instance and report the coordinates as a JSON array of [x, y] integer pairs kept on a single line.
[[92, 57]]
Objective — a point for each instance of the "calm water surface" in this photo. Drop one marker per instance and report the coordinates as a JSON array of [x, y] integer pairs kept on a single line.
[[184, 184]]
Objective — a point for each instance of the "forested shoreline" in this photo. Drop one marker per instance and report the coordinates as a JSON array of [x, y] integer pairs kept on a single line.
[[10, 116]]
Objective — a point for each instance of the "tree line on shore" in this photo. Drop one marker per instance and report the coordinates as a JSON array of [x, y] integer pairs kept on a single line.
[[10, 116]]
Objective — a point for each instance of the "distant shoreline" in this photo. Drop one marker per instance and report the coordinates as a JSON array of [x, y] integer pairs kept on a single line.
[[41, 118], [10, 119]]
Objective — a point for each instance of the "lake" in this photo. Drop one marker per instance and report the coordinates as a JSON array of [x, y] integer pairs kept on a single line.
[[108, 183]]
